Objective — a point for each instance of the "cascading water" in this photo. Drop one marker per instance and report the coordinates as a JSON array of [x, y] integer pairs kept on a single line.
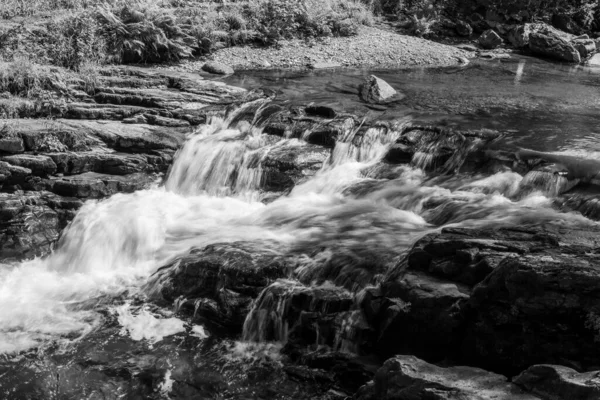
[[212, 195]]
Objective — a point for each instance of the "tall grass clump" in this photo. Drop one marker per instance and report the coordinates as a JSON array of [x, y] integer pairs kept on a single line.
[[144, 33]]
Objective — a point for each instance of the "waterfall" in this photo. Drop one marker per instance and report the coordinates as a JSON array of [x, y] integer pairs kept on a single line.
[[213, 195]]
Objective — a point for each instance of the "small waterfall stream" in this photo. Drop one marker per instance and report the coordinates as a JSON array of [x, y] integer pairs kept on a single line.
[[213, 195]]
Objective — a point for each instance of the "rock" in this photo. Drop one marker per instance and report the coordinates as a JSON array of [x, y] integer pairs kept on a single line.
[[519, 35], [30, 223], [407, 377], [10, 142], [588, 204], [441, 150], [286, 166], [553, 46], [321, 110], [39, 165], [558, 382], [135, 138], [463, 28], [218, 68], [288, 309], [12, 174], [376, 90], [467, 47], [490, 39], [219, 282], [94, 185], [585, 47], [537, 308], [420, 301], [595, 60]]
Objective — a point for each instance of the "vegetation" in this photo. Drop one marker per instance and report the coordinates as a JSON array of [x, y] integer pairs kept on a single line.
[[141, 31]]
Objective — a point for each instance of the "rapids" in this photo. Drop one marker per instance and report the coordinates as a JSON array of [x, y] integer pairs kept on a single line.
[[106, 257], [212, 195]]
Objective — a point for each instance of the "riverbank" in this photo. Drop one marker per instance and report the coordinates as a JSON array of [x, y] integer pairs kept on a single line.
[[372, 47]]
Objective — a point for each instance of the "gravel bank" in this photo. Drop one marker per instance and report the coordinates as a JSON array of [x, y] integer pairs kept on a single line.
[[372, 48]]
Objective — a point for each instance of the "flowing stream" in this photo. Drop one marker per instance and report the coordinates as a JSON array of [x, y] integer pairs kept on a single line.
[[213, 195]]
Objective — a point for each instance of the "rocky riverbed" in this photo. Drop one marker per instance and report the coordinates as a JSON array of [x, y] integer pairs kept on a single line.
[[200, 240]]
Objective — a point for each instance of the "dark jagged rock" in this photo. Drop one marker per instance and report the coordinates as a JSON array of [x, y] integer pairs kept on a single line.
[[490, 40], [219, 282], [552, 382], [588, 204], [285, 167], [441, 150], [537, 308], [421, 307], [303, 316], [30, 222], [408, 378]]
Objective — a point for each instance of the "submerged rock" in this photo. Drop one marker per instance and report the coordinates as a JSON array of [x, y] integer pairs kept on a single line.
[[376, 90], [407, 378]]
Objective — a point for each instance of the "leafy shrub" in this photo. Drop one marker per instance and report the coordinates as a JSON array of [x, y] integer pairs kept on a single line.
[[138, 33]]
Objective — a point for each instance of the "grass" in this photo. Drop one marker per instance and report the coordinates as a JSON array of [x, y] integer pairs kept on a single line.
[[151, 31]]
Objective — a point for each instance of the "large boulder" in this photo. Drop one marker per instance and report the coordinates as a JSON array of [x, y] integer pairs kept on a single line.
[[376, 90], [550, 44], [418, 309], [409, 378], [536, 308], [554, 382]]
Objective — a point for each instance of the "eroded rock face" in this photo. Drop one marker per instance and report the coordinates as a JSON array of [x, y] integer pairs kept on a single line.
[[408, 378], [558, 382]]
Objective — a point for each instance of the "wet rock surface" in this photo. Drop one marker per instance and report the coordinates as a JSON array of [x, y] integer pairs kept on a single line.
[[557, 382], [407, 377]]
